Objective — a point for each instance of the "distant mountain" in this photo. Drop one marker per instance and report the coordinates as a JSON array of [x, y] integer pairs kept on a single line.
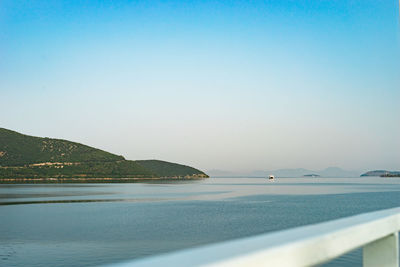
[[299, 172], [382, 173], [23, 156]]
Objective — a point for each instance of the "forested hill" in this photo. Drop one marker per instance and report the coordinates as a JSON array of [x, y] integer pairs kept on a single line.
[[18, 149], [163, 168], [29, 157]]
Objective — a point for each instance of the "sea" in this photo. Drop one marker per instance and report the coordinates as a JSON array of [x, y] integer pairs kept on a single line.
[[100, 224]]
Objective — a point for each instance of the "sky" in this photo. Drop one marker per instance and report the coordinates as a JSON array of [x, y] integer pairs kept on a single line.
[[228, 85]]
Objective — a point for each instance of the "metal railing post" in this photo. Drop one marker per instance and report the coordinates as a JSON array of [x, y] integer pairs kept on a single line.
[[383, 252]]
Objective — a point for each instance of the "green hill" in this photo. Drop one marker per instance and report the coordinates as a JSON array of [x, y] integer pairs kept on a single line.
[[18, 149], [168, 169], [35, 158]]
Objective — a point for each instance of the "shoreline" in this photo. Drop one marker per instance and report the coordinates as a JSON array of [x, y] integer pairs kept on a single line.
[[92, 180]]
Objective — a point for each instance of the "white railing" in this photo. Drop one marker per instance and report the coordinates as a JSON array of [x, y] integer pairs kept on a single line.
[[376, 232]]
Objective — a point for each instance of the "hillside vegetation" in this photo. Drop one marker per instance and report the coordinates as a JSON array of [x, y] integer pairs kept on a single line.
[[18, 149], [168, 169], [29, 157]]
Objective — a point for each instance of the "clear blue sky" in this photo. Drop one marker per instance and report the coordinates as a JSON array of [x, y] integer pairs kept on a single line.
[[232, 85]]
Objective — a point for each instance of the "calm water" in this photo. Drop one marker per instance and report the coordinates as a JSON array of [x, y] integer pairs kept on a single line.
[[92, 224]]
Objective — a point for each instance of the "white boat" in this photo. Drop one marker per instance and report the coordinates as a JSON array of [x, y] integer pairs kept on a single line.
[[271, 177]]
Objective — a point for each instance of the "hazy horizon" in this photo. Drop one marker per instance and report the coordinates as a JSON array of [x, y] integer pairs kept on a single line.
[[231, 86]]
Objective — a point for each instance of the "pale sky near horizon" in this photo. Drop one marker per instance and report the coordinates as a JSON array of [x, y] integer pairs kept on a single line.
[[230, 85]]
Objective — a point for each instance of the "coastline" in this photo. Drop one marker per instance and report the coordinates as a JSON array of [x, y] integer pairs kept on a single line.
[[93, 180]]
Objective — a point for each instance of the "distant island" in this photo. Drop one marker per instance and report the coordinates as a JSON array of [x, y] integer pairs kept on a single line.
[[330, 172], [311, 175], [382, 173], [27, 159]]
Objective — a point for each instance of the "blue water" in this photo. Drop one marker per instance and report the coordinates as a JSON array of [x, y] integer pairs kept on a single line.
[[86, 225]]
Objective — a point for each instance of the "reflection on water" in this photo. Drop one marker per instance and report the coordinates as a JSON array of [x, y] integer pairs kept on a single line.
[[80, 201], [90, 224]]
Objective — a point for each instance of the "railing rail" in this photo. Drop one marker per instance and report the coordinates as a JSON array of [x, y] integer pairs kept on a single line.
[[376, 232]]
